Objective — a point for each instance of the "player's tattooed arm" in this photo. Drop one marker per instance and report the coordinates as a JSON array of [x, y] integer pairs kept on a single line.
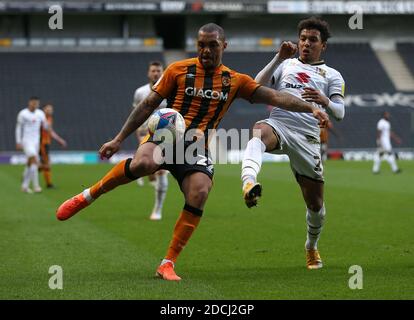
[[288, 102], [135, 120], [139, 114]]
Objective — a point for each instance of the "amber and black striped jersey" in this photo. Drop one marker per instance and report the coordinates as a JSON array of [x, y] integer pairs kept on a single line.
[[45, 135], [201, 98]]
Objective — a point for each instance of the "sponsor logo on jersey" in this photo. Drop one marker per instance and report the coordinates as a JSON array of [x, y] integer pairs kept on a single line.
[[302, 77], [209, 94], [294, 86]]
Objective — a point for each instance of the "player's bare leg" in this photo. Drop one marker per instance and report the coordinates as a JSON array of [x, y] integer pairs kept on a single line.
[[196, 187], [312, 192], [264, 139], [124, 172], [152, 178], [160, 186]]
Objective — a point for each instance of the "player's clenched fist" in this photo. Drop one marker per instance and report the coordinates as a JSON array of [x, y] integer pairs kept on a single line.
[[287, 50], [109, 149]]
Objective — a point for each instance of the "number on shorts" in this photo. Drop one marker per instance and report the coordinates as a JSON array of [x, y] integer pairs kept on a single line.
[[318, 164]]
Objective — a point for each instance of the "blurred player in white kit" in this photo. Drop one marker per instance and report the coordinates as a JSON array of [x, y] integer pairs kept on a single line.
[[384, 136], [297, 134], [29, 122], [160, 178]]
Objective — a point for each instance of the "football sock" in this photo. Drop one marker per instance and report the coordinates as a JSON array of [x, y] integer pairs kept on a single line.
[[48, 176], [315, 221], [118, 175], [391, 160], [34, 175], [26, 177], [252, 160], [184, 228], [161, 186], [377, 162]]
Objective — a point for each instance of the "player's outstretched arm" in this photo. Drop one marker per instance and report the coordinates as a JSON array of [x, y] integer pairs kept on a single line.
[[287, 50], [136, 118], [58, 138], [288, 102]]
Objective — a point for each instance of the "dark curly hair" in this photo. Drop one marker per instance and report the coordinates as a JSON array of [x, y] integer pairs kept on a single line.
[[315, 23]]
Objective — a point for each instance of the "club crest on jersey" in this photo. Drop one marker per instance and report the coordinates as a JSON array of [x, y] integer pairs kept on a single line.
[[321, 72], [225, 80]]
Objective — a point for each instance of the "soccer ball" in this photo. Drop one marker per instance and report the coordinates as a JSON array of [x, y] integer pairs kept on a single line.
[[166, 125]]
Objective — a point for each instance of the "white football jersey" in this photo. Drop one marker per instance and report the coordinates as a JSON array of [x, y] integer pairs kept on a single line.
[[384, 127], [28, 125], [293, 76], [142, 92]]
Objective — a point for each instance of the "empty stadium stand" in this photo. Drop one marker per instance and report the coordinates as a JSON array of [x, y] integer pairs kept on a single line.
[[406, 50], [92, 92]]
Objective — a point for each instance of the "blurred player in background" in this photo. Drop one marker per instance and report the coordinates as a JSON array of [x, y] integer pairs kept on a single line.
[[384, 148], [29, 122], [45, 141], [160, 178], [297, 134], [202, 90], [324, 137]]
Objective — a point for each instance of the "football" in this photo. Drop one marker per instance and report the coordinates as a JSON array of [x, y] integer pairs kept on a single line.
[[166, 125]]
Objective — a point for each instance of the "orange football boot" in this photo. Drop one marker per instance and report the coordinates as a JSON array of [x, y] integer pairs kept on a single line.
[[166, 272], [72, 206], [313, 259]]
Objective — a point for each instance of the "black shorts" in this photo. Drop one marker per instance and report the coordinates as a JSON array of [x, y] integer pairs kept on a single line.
[[201, 162]]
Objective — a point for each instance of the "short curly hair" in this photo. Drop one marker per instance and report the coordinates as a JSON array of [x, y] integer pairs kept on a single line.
[[315, 23]]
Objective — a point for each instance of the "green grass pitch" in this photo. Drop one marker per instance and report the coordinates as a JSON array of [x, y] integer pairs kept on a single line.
[[111, 249]]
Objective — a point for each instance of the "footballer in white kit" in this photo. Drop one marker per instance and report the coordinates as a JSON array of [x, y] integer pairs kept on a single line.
[[29, 122], [160, 178], [298, 134], [384, 147]]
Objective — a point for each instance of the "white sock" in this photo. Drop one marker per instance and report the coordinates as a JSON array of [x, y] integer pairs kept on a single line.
[[377, 162], [87, 194], [252, 160], [164, 261], [26, 177], [391, 160], [161, 187], [315, 221], [34, 175]]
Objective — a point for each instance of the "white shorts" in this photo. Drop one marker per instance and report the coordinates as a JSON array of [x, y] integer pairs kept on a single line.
[[303, 150], [31, 149], [384, 145]]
